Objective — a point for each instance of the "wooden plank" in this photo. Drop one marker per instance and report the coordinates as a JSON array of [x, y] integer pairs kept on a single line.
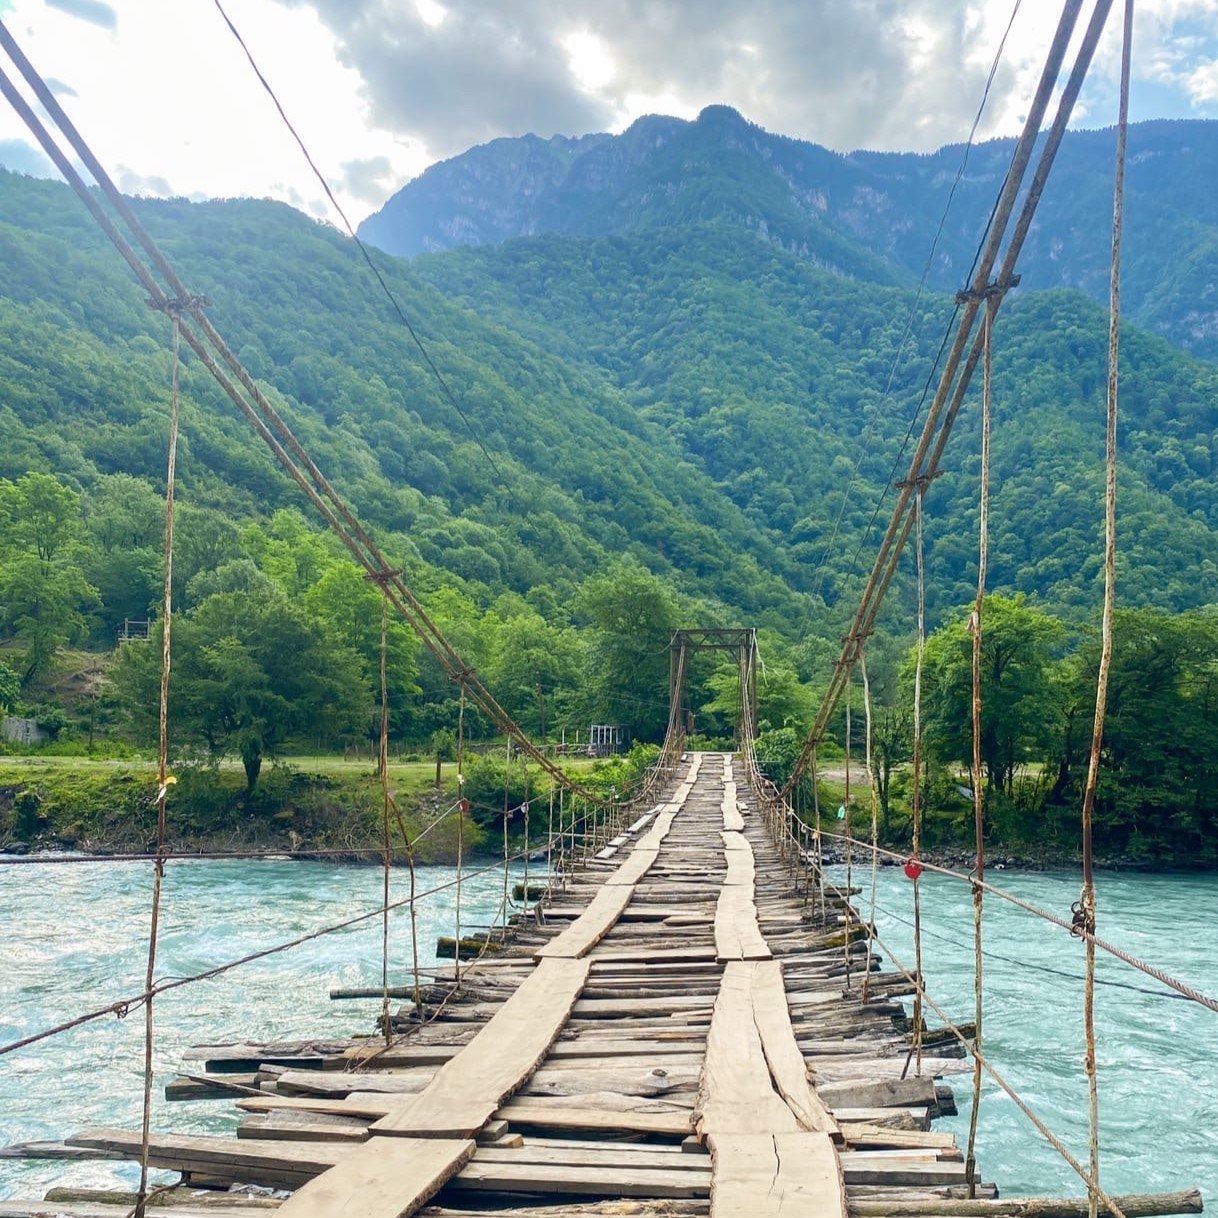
[[737, 935], [276, 1164], [884, 1093], [466, 1090], [635, 867], [587, 1181], [782, 1055], [372, 1108], [384, 1178], [783, 1175], [551, 1116], [88, 1209], [590, 927], [553, 1152], [736, 1084]]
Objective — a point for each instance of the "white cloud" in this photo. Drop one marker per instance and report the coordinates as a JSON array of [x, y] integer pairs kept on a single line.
[[168, 95], [379, 88]]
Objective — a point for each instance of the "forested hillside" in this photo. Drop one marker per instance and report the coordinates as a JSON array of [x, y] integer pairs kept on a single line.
[[686, 421], [772, 375]]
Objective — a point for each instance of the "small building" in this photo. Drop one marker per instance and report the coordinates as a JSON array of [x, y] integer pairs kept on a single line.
[[22, 731], [606, 739]]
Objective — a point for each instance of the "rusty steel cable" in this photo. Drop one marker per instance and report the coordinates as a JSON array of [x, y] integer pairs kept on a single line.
[[845, 815], [915, 860], [122, 1007], [1119, 953], [1086, 905], [439, 377], [915, 979], [975, 630], [958, 369], [163, 776], [875, 826], [245, 394], [383, 771]]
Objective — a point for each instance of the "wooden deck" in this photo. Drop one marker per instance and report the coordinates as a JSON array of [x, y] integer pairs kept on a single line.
[[674, 1036]]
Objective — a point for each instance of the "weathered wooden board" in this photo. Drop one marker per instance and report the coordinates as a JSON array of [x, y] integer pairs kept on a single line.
[[736, 1087], [592, 1181], [737, 936], [522, 1113], [782, 1175], [467, 1089], [782, 1055], [384, 1178], [277, 1164], [590, 927]]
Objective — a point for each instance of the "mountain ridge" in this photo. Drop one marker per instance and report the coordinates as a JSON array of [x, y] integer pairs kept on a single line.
[[866, 215]]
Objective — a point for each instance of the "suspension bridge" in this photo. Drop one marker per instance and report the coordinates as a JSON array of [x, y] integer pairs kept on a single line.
[[688, 1016]]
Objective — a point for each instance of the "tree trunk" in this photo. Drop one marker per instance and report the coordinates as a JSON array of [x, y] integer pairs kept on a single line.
[[251, 760]]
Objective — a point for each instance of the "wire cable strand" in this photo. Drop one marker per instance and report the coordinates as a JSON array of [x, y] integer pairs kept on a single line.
[[450, 397]]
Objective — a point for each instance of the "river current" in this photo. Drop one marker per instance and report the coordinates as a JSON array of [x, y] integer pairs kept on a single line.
[[74, 938]]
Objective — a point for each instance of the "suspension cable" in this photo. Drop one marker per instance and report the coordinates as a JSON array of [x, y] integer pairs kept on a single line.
[[975, 630], [959, 367], [845, 815], [915, 871], [163, 777], [383, 770], [1086, 906], [875, 827], [916, 980]]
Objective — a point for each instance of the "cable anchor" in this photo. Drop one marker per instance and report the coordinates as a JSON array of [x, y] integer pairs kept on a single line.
[[992, 291]]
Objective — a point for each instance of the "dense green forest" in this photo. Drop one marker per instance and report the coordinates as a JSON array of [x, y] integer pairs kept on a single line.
[[685, 426]]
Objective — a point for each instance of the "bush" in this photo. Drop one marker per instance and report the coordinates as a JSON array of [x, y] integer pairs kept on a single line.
[[29, 819], [489, 780]]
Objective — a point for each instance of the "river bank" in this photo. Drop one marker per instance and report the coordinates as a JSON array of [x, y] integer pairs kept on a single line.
[[97, 807]]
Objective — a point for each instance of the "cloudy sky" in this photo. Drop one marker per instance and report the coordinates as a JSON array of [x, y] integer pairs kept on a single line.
[[379, 89]]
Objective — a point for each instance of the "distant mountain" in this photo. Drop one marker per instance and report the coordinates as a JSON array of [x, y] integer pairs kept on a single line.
[[865, 215]]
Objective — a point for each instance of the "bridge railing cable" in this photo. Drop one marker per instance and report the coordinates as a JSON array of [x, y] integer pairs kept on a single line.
[[168, 293], [966, 347]]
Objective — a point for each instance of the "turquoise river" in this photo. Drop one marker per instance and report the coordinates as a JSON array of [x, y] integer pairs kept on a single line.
[[74, 939]]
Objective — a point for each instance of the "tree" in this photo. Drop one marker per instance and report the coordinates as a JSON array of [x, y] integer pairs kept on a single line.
[[10, 688], [249, 675], [43, 604], [891, 746], [782, 700], [349, 607], [44, 595], [534, 671], [1019, 712], [38, 513], [124, 513], [632, 614], [1158, 792]]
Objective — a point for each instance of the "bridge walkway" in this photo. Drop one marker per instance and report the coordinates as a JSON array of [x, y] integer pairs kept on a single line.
[[673, 1035]]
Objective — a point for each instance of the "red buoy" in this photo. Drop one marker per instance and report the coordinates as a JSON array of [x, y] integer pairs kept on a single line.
[[913, 868]]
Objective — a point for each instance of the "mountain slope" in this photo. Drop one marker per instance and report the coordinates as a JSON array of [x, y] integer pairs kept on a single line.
[[707, 401], [83, 376], [869, 216], [771, 374]]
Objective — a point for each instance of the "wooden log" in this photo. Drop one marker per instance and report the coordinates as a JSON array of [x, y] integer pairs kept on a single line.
[[1138, 1205], [467, 1089], [525, 1115], [596, 1181]]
